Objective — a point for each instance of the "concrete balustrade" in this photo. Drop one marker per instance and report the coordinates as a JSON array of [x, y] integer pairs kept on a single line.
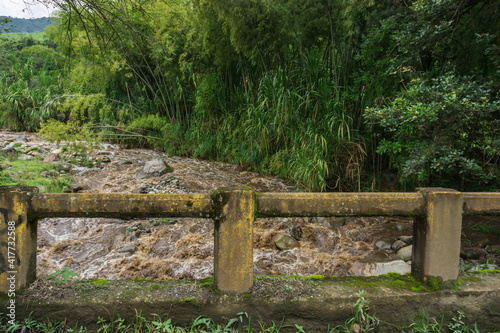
[[436, 233]]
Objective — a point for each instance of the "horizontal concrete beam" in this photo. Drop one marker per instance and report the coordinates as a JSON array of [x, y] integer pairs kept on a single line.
[[120, 205], [339, 204], [481, 203]]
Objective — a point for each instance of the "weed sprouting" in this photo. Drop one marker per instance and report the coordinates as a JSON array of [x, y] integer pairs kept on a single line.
[[65, 273]]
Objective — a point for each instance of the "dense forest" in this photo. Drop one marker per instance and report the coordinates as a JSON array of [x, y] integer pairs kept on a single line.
[[333, 95], [13, 24]]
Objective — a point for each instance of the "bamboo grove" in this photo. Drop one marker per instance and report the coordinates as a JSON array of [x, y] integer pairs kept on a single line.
[[333, 95]]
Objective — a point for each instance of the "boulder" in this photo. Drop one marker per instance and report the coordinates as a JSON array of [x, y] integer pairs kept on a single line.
[[378, 255], [25, 157], [128, 249], [10, 152], [375, 269], [407, 239], [296, 232], [401, 227], [331, 222], [285, 242], [63, 167], [154, 168], [45, 174], [52, 157], [404, 253], [468, 253], [398, 245], [384, 244], [20, 138]]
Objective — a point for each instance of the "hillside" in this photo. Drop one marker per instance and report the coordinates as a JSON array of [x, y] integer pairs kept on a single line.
[[27, 25]]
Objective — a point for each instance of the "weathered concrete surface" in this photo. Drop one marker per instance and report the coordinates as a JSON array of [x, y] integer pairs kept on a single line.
[[339, 204], [233, 239], [481, 203], [120, 205], [315, 305], [17, 238], [436, 236]]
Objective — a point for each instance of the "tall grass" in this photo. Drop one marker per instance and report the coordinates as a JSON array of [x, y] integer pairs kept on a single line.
[[295, 123]]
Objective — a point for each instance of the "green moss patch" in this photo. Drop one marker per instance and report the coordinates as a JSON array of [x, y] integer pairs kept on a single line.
[[99, 282]]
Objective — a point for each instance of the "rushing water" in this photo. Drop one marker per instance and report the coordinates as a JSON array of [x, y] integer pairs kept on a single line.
[[185, 249]]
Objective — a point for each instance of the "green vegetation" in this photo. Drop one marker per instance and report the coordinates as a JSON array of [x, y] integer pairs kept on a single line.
[[361, 321], [30, 173], [65, 273], [333, 96], [18, 36], [100, 282]]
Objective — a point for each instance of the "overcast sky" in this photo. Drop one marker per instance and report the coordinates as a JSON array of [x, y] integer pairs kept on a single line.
[[17, 8]]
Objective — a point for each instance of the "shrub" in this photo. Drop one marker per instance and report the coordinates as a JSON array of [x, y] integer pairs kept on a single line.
[[442, 132]]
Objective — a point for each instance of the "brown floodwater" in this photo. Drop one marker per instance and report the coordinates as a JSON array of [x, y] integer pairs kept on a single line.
[[185, 249]]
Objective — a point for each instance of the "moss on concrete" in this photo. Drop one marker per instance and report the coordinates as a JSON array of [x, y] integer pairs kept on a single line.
[[315, 300], [99, 282]]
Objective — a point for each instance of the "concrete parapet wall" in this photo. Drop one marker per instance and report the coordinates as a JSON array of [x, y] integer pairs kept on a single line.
[[481, 203], [340, 204], [437, 231], [120, 205]]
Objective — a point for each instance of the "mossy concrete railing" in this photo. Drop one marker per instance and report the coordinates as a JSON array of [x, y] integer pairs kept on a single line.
[[436, 240]]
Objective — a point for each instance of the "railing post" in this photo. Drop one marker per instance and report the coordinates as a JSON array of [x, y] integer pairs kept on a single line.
[[436, 235], [18, 239], [233, 238]]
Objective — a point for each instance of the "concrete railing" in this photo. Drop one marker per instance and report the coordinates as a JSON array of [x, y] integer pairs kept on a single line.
[[437, 229]]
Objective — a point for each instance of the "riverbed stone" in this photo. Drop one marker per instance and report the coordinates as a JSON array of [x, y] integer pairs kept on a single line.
[[379, 268], [407, 239], [66, 167], [128, 249], [296, 232], [469, 253], [20, 138], [318, 219], [10, 152], [384, 244], [378, 255], [398, 245], [285, 242], [25, 157], [52, 157], [331, 222], [154, 168], [404, 253]]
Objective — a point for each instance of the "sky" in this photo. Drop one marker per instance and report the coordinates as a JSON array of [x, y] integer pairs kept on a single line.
[[17, 8]]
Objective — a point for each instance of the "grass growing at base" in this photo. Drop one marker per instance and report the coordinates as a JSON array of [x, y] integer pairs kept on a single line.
[[28, 173], [361, 321]]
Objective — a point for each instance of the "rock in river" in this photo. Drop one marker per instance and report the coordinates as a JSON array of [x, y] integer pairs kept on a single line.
[[154, 168], [285, 242], [404, 253]]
